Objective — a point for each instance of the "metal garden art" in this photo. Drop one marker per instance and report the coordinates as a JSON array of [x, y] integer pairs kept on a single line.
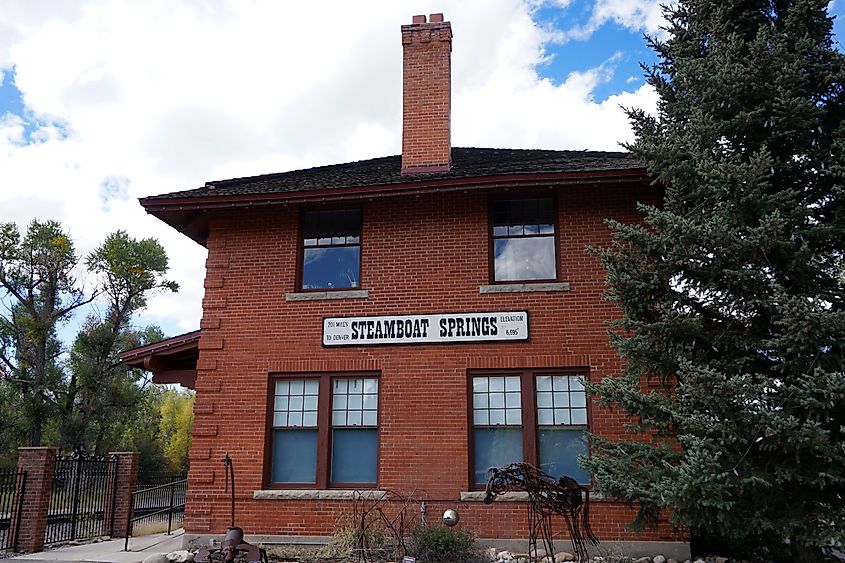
[[233, 542], [546, 496]]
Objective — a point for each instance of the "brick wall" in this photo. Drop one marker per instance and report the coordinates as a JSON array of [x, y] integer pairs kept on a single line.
[[425, 254]]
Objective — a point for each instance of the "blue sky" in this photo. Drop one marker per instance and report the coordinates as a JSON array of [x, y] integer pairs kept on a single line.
[[109, 114]]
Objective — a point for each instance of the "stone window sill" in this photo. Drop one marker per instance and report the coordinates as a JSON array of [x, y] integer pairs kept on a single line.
[[523, 287], [518, 496], [315, 494], [478, 496], [326, 295]]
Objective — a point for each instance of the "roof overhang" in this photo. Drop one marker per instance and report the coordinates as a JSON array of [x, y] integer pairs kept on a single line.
[[189, 215], [173, 360]]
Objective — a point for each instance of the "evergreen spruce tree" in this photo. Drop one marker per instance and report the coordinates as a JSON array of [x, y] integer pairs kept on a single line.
[[732, 291]]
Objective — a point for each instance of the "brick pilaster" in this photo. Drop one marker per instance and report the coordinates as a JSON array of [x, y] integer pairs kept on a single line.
[[38, 463], [119, 511]]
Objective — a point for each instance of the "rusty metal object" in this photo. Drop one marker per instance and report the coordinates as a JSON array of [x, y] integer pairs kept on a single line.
[[546, 496], [233, 542]]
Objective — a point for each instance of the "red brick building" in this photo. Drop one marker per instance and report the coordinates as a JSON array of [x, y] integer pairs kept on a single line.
[[400, 323]]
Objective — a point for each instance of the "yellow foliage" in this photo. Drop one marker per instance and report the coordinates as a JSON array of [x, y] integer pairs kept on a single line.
[[177, 416]]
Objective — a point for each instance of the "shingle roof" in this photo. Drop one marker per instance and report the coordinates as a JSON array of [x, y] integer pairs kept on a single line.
[[466, 163]]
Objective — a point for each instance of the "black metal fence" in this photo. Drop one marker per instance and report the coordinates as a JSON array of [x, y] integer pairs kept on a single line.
[[12, 484], [158, 500], [84, 490]]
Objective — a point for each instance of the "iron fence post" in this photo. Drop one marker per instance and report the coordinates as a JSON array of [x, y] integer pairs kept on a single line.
[[75, 504], [21, 476], [129, 521], [170, 508], [116, 462]]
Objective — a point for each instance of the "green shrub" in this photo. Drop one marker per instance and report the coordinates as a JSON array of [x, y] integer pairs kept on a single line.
[[440, 543]]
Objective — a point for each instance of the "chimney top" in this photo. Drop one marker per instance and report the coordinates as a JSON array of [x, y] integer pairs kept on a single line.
[[426, 95]]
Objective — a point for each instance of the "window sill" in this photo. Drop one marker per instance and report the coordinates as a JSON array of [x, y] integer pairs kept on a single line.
[[518, 496], [523, 287], [478, 496], [326, 295], [314, 494]]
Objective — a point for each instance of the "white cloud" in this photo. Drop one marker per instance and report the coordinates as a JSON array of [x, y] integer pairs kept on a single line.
[[140, 98], [636, 15]]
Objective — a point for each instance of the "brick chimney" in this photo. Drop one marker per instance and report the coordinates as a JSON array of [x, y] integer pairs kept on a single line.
[[426, 95]]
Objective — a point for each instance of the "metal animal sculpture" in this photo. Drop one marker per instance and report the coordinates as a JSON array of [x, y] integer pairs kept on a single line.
[[546, 496]]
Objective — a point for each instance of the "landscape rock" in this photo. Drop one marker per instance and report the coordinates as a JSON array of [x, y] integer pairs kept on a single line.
[[504, 556], [564, 556], [659, 559], [492, 553], [180, 556], [721, 560], [156, 558], [643, 560]]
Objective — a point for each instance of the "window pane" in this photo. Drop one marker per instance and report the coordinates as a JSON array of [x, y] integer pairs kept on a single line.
[[294, 456], [579, 399], [495, 447], [479, 384], [497, 400], [370, 418], [559, 449], [561, 416], [512, 383], [538, 211], [544, 399], [371, 402], [480, 417], [354, 455], [545, 416], [497, 416], [579, 416], [544, 383], [338, 418], [331, 268], [331, 223], [524, 259]]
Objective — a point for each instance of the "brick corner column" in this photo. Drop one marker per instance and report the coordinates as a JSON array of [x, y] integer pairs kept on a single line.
[[38, 463], [119, 511]]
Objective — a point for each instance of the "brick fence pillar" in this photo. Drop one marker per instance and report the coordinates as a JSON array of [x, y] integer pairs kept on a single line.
[[39, 464], [119, 511]]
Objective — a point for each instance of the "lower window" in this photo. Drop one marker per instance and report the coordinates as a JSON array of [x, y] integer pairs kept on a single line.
[[539, 417], [324, 431]]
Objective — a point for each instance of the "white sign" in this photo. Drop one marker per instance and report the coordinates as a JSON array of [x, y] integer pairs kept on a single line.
[[425, 329]]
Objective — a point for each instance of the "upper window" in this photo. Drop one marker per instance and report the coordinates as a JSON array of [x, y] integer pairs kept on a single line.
[[331, 249], [306, 451], [524, 240], [536, 417]]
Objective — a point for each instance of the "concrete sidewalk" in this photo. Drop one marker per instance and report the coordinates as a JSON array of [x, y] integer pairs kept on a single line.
[[109, 551]]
